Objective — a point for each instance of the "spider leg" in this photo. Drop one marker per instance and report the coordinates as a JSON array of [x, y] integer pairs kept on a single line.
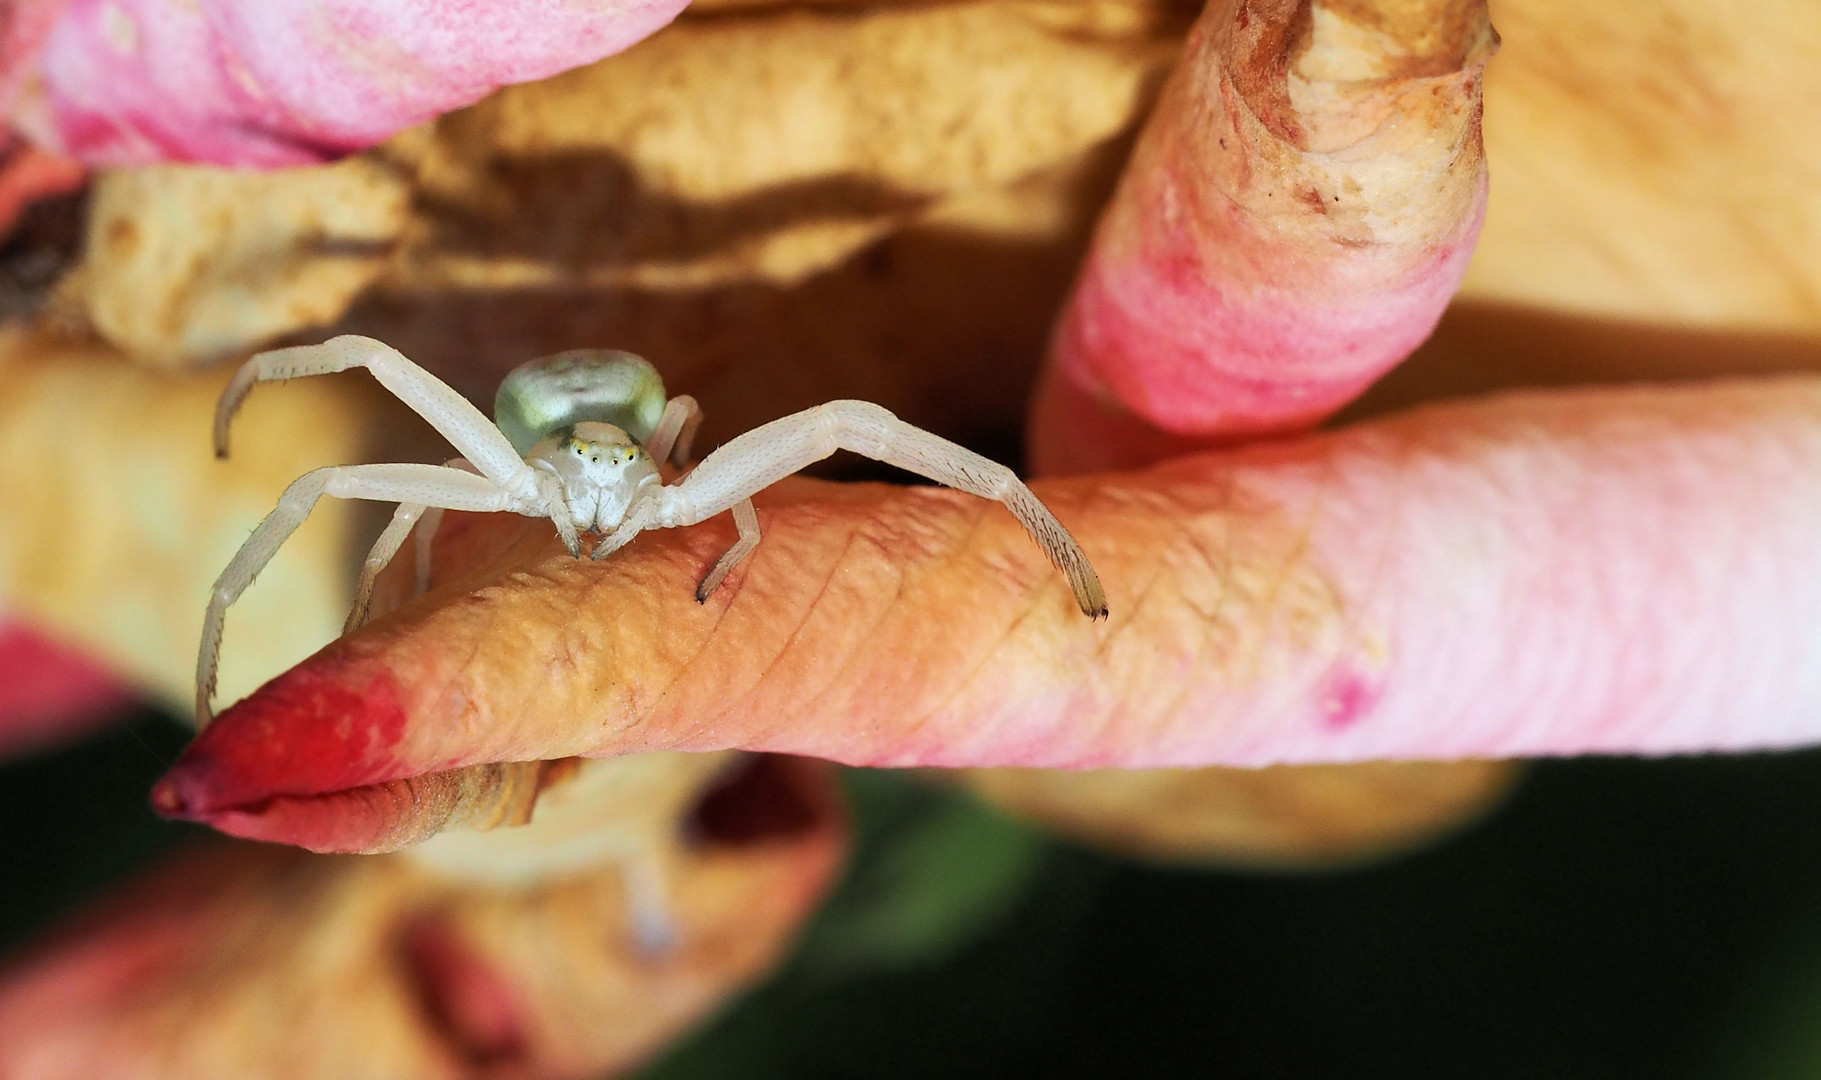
[[671, 440], [676, 430], [754, 461], [426, 537], [378, 556], [427, 485], [451, 414], [427, 519], [746, 519]]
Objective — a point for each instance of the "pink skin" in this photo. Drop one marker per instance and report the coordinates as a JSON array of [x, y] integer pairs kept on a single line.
[[1621, 571], [271, 83], [1293, 221], [49, 692]]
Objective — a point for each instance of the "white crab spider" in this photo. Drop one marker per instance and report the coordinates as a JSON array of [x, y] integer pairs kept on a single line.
[[579, 438]]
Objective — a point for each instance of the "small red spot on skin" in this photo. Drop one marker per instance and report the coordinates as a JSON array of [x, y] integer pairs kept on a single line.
[[304, 733], [1345, 701]]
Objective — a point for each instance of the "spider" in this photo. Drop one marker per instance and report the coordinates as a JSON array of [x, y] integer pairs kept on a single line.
[[578, 440]]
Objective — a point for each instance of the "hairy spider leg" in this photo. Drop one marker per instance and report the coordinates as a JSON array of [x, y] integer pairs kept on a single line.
[[452, 415], [381, 553], [671, 440], [746, 519], [754, 461], [428, 485], [427, 519]]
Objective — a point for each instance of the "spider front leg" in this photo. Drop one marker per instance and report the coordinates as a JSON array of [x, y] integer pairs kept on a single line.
[[427, 485], [745, 519], [763, 456], [451, 414], [671, 441]]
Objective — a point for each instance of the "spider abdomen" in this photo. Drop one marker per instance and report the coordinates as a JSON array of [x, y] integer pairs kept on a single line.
[[603, 385]]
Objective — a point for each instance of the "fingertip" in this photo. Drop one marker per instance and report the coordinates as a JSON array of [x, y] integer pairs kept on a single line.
[[167, 801]]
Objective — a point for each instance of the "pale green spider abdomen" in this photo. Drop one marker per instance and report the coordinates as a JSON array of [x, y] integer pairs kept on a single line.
[[604, 385]]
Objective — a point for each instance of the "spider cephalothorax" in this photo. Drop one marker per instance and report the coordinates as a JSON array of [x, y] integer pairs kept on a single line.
[[578, 438], [601, 468]]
